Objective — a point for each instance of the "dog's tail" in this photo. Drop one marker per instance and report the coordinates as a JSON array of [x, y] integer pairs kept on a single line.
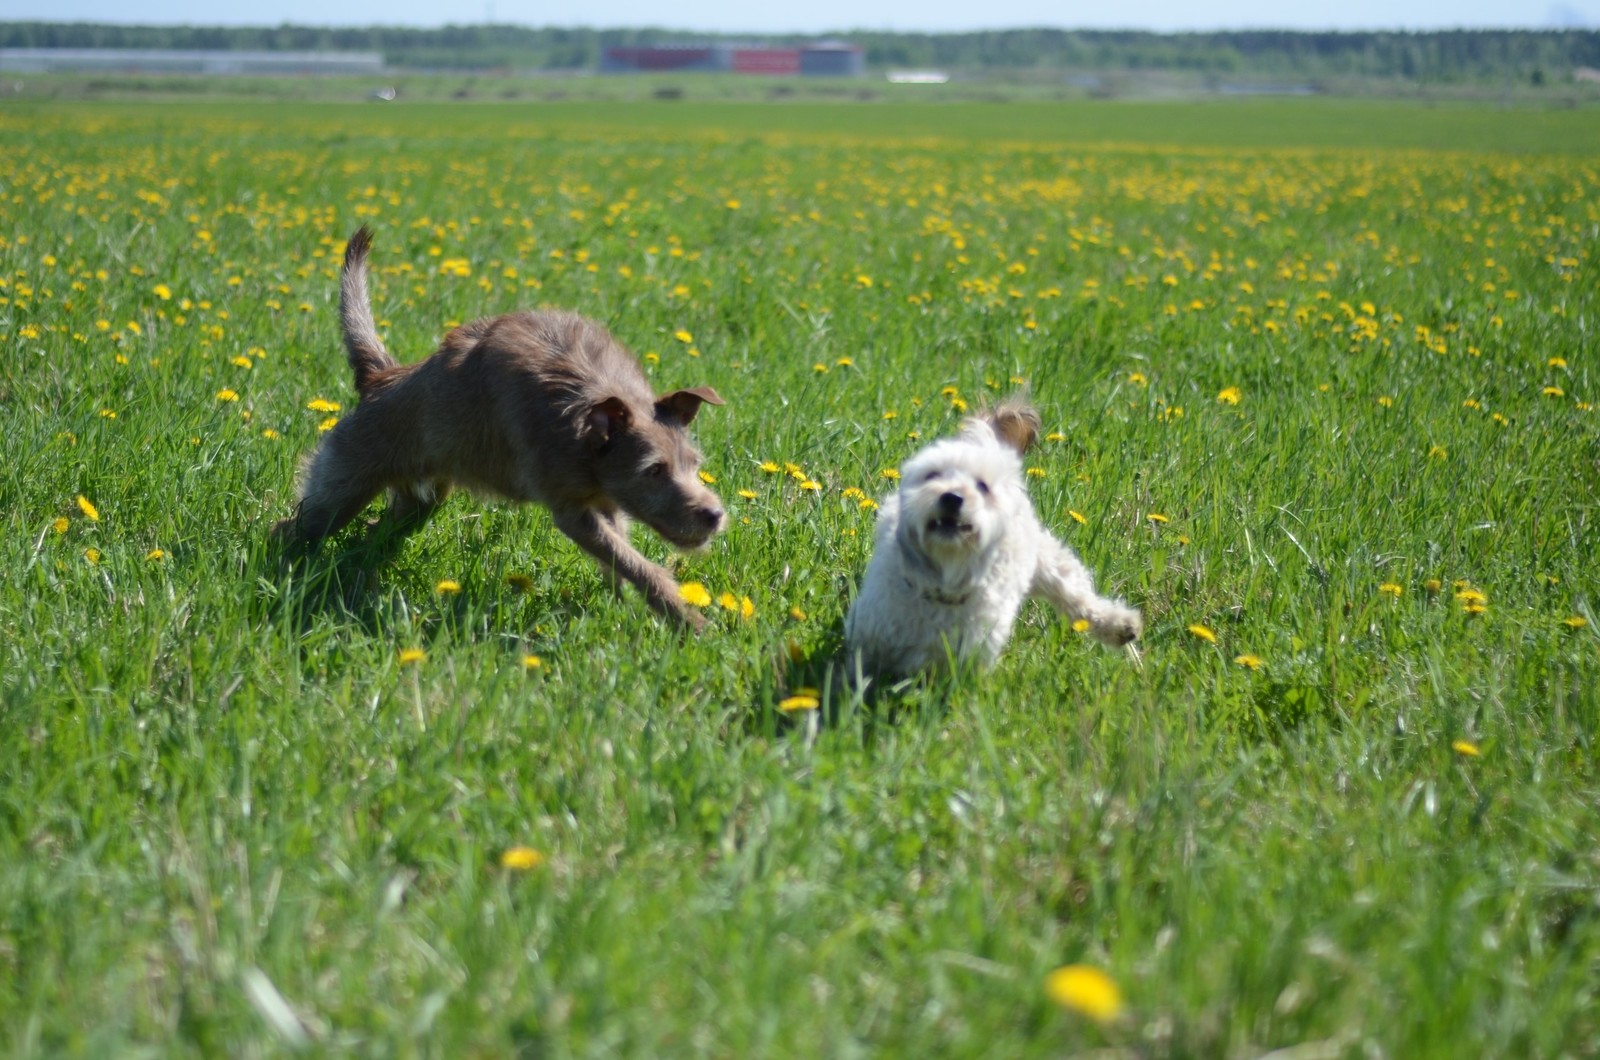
[[368, 358], [1015, 422]]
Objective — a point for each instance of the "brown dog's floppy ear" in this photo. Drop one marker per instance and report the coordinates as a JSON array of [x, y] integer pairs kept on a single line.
[[681, 405], [606, 420]]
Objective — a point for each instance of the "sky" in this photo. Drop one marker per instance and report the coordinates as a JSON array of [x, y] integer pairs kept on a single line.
[[818, 16]]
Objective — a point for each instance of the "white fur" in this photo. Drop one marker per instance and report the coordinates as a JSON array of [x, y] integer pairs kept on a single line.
[[934, 591]]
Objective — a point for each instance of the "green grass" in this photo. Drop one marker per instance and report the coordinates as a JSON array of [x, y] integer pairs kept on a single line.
[[223, 786]]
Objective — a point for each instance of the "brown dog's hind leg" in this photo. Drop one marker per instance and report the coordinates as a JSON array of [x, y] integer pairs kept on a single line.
[[597, 535]]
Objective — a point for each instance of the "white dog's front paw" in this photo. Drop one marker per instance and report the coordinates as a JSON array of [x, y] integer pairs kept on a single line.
[[1116, 624]]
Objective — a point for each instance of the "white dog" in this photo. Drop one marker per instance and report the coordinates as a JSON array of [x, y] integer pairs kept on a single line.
[[958, 549]]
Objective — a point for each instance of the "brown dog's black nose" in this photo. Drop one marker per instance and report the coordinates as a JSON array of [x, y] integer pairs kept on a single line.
[[949, 503]]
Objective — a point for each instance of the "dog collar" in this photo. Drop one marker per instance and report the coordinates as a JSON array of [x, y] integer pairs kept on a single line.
[[939, 596]]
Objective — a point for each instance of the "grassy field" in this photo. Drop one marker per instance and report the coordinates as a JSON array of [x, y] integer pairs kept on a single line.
[[1319, 382]]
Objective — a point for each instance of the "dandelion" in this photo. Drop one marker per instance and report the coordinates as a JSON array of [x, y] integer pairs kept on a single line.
[[1055, 436], [694, 594], [1085, 990], [90, 512], [1077, 517], [163, 292], [1248, 661], [92, 555], [327, 425], [225, 394], [322, 405], [1433, 586], [1386, 401], [1036, 472], [748, 495], [1557, 362], [1080, 625], [242, 361], [797, 614], [844, 362], [447, 587], [1465, 748], [890, 473], [1438, 452], [1203, 632], [155, 555], [271, 435], [683, 336], [732, 204], [1391, 589], [521, 859], [61, 524], [1229, 395], [412, 656], [1138, 379], [531, 663], [1554, 391], [1575, 622], [1467, 595], [1156, 517], [803, 699]]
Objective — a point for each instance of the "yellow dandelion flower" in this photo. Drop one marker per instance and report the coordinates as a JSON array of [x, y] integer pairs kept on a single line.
[[1474, 609], [803, 699], [163, 292], [867, 504], [521, 859], [708, 478], [1077, 517], [1203, 632], [92, 555], [683, 336], [1391, 589], [844, 362], [1229, 395], [322, 405], [411, 656], [1080, 625], [1554, 391], [694, 594], [1156, 517], [1085, 990], [810, 486], [1138, 379], [1036, 472], [61, 524], [797, 614], [1433, 586], [769, 467], [820, 368], [155, 555], [1557, 362], [1438, 452], [532, 662], [327, 425], [1055, 436], [447, 586], [1248, 661], [1469, 595], [1386, 401], [109, 414], [890, 473], [748, 495], [1465, 748], [242, 361], [90, 512], [225, 394], [271, 435], [732, 204], [1575, 622]]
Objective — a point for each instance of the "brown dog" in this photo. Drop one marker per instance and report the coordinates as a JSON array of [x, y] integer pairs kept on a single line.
[[544, 407]]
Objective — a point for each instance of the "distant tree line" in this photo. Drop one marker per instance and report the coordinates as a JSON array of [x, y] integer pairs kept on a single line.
[[1444, 56]]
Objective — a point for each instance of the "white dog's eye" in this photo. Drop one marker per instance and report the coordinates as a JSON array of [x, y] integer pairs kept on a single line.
[[983, 487], [930, 476]]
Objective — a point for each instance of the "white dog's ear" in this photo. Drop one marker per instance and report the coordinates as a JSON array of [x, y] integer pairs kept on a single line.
[[1016, 423]]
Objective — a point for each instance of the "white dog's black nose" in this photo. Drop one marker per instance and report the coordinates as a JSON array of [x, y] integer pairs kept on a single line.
[[949, 503]]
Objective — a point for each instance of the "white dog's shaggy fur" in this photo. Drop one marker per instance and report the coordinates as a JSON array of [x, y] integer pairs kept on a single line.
[[958, 549]]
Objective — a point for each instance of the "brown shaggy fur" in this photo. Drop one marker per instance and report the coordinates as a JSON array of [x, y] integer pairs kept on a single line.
[[541, 407]]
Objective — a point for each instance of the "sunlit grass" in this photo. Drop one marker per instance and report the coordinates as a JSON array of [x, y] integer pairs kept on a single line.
[[1326, 415]]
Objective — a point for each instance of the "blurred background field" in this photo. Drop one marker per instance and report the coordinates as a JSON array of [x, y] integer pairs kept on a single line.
[[1318, 385]]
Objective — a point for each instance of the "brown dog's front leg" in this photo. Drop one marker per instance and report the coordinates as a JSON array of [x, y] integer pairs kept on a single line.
[[595, 534]]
